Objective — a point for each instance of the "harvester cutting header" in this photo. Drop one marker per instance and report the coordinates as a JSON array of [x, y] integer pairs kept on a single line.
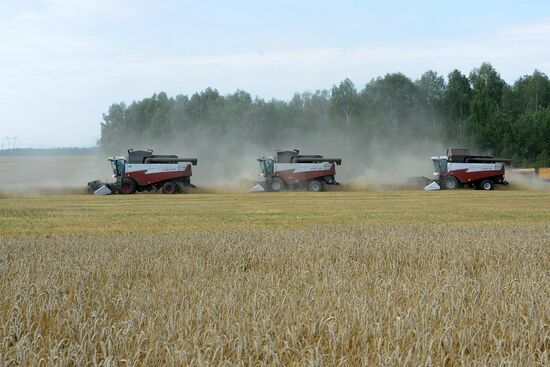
[[141, 170], [291, 170]]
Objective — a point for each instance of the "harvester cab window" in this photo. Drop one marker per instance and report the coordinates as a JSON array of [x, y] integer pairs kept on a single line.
[[440, 165], [266, 167], [113, 167], [118, 167]]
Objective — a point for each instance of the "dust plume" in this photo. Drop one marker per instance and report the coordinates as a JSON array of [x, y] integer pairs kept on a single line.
[[523, 181], [227, 163], [50, 175]]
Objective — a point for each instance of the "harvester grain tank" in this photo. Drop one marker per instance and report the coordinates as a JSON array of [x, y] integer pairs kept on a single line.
[[459, 168], [291, 170], [141, 170]]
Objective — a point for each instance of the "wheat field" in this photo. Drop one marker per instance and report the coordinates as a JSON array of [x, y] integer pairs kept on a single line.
[[289, 279]]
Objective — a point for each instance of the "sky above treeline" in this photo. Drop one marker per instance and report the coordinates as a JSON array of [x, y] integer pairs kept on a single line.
[[63, 62]]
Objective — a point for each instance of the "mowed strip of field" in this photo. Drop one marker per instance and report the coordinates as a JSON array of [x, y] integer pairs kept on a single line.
[[143, 214], [293, 279]]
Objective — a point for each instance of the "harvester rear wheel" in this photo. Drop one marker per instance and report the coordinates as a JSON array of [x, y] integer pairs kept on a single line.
[[169, 188], [315, 186], [277, 184], [487, 185], [127, 186]]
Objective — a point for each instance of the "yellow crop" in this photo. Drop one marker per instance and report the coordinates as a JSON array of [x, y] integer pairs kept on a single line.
[[337, 278]]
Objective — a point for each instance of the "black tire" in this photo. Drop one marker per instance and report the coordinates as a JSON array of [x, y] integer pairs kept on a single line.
[[451, 183], [169, 188], [315, 186], [277, 184], [127, 186], [487, 185]]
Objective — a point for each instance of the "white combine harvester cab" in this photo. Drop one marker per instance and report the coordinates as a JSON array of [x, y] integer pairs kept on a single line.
[[265, 175], [440, 165], [118, 164], [440, 168]]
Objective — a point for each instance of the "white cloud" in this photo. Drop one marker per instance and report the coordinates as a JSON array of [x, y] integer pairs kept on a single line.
[[512, 57], [69, 78], [532, 32]]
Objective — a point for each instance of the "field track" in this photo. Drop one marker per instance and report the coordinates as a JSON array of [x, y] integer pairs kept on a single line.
[[336, 278]]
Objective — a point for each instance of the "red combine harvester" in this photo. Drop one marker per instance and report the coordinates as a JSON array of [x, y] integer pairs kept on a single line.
[[459, 168], [143, 171], [291, 170]]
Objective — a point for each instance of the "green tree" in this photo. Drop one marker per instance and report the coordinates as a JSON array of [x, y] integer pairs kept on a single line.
[[481, 111], [345, 102], [317, 108], [392, 103], [456, 105], [431, 87], [486, 120], [529, 93]]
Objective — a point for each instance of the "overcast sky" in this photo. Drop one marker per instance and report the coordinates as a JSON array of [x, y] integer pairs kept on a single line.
[[63, 62]]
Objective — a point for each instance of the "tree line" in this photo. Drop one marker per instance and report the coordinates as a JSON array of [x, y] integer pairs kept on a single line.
[[479, 110]]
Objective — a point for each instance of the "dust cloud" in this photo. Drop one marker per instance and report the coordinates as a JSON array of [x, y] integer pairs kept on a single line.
[[37, 175], [526, 182], [228, 165]]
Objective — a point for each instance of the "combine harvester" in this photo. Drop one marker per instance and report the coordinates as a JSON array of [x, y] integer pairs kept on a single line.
[[290, 170], [143, 171], [459, 168]]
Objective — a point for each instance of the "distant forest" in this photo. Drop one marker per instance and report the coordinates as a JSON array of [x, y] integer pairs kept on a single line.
[[479, 110]]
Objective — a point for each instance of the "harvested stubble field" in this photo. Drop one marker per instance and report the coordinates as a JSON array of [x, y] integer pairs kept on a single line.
[[338, 278]]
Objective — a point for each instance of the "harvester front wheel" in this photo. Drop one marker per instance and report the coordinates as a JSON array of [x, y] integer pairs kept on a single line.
[[315, 186], [277, 184], [451, 183], [127, 186], [169, 188], [487, 185]]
